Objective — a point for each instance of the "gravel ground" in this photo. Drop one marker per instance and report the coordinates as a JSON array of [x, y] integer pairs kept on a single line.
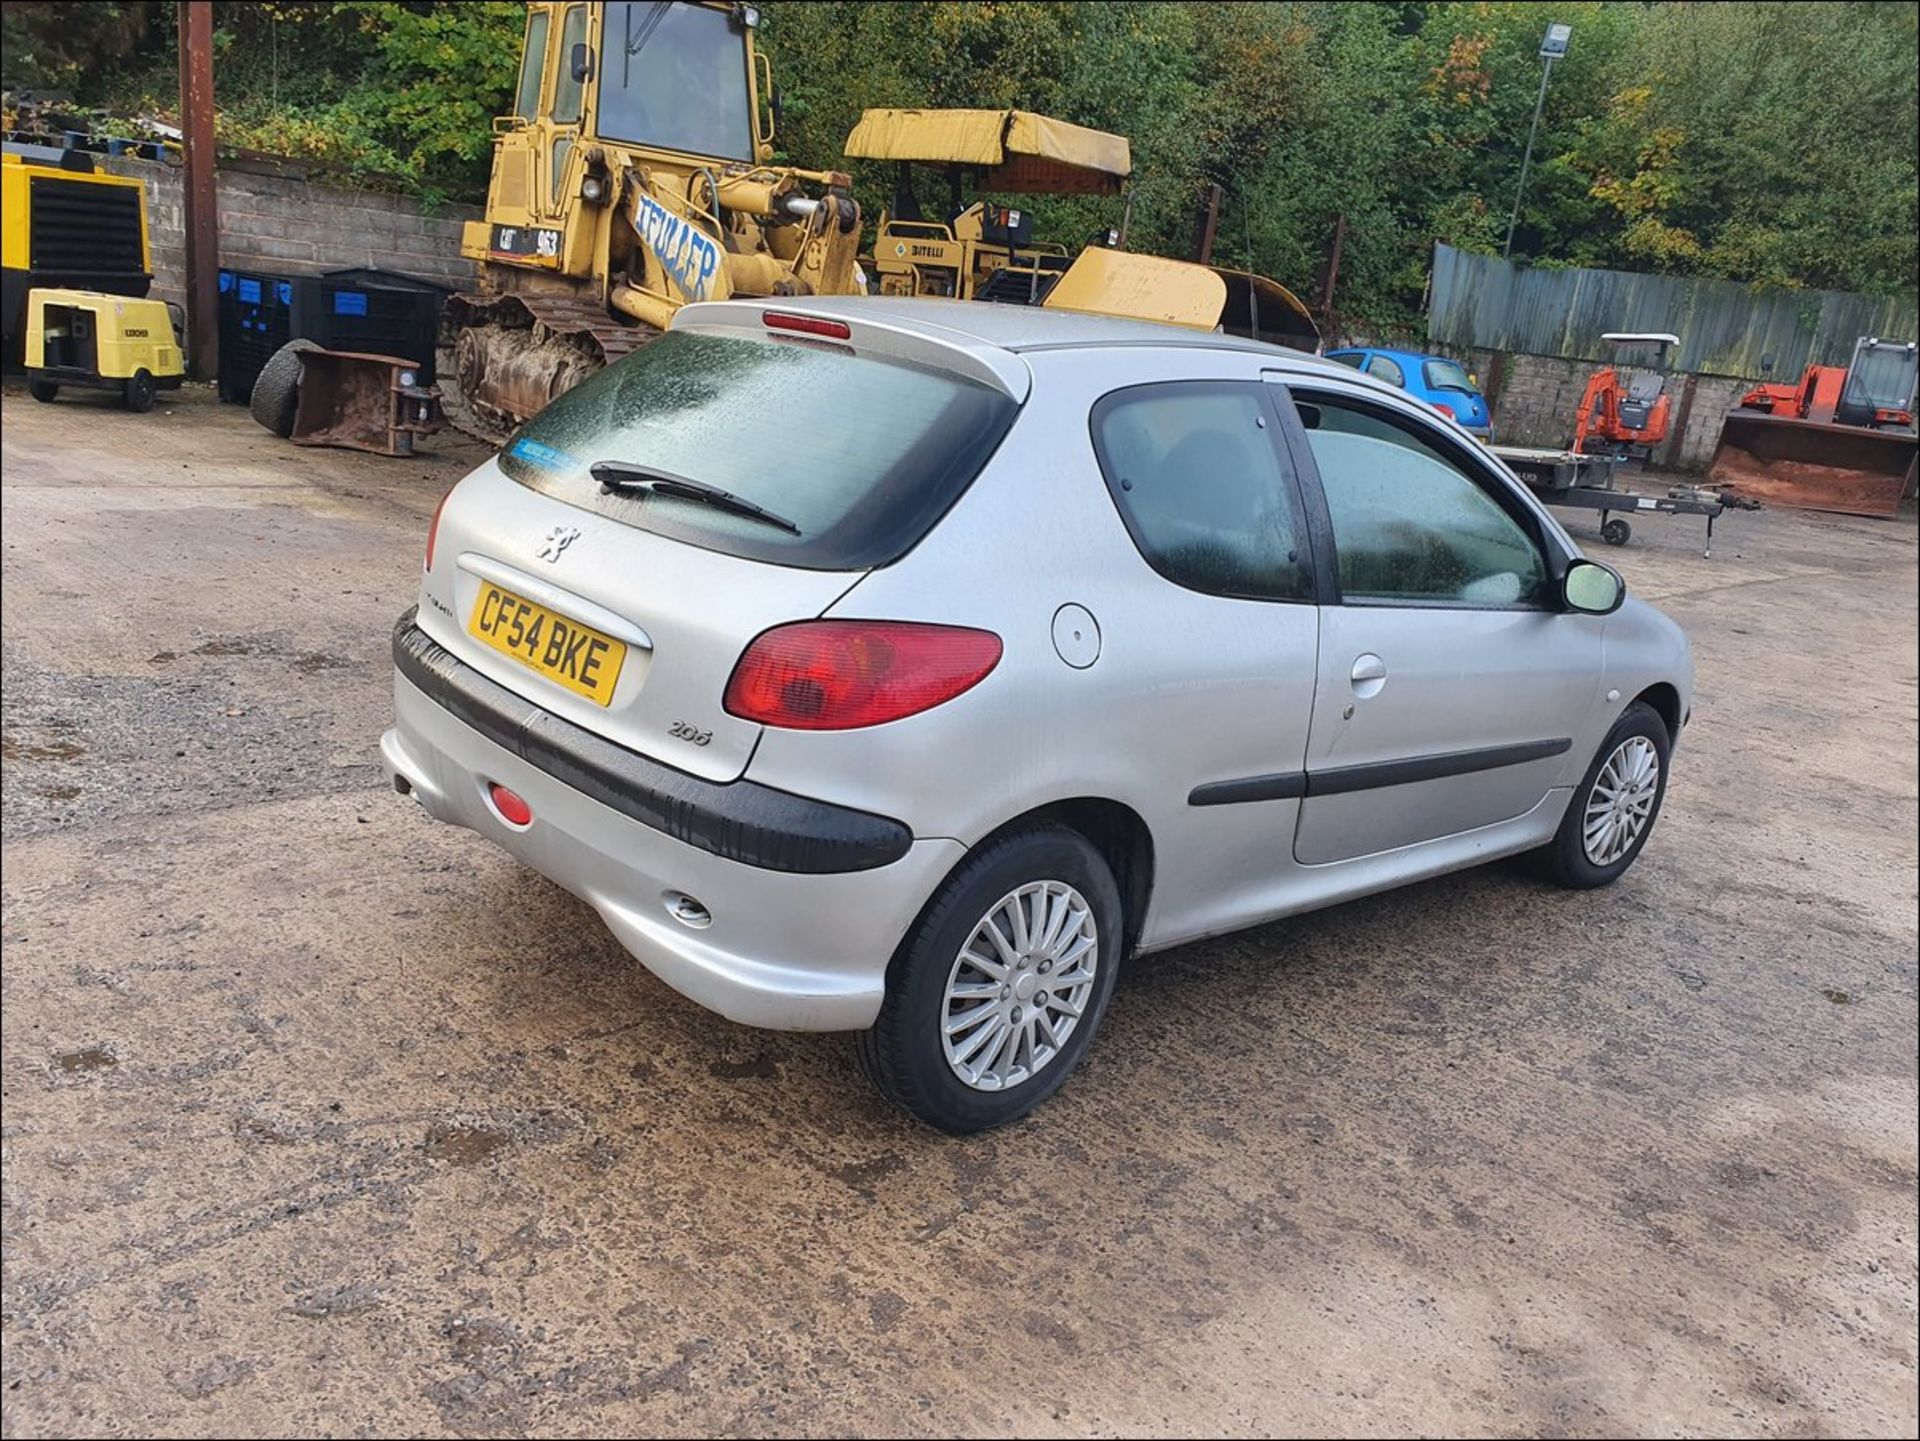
[[322, 1119]]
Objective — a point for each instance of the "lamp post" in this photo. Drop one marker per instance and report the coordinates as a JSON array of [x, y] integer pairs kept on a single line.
[[1552, 48]]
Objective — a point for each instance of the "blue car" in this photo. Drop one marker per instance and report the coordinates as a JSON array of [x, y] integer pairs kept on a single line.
[[1442, 383]]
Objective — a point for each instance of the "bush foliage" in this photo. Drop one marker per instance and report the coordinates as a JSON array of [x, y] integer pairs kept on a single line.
[[1770, 143]]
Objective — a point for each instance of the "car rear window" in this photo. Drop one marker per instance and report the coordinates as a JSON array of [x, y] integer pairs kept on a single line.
[[862, 454], [1447, 375]]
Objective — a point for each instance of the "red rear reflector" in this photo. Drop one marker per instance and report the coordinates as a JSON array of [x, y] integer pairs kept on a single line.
[[512, 809], [807, 325], [433, 526], [830, 675]]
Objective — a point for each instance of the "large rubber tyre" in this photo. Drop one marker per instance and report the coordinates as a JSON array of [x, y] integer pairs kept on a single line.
[[1565, 860], [276, 390], [42, 390], [904, 1054], [138, 392]]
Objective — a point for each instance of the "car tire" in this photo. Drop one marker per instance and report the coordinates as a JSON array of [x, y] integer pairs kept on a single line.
[[42, 390], [276, 390], [1584, 853], [138, 392], [907, 1054]]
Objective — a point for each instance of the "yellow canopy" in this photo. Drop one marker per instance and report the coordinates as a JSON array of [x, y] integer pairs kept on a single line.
[[1020, 151], [1178, 292]]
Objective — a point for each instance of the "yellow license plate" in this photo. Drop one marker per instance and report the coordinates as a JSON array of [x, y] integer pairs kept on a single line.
[[574, 655]]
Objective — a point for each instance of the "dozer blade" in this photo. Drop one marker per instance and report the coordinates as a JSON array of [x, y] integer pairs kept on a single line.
[[1808, 465]]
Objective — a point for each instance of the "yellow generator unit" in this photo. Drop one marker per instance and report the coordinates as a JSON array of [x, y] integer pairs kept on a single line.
[[63, 225], [633, 177], [104, 342]]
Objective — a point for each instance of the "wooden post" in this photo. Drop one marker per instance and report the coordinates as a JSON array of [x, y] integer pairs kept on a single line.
[[202, 214], [1206, 221], [1330, 276]]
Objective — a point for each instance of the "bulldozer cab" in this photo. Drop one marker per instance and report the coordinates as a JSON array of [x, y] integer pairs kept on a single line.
[[1879, 388], [673, 86], [935, 240], [631, 178]]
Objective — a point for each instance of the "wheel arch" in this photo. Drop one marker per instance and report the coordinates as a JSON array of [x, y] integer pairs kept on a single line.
[[1665, 702], [1114, 829]]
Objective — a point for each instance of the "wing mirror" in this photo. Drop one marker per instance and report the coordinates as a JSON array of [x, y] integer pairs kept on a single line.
[[1592, 588], [582, 63]]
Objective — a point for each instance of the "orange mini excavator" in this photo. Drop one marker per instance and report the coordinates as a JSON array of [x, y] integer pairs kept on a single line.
[[1624, 411]]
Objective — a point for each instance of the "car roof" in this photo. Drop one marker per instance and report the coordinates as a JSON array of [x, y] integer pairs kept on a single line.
[[1421, 356], [986, 336], [1019, 327]]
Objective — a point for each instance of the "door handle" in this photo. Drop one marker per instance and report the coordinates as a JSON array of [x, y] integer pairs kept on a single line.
[[1369, 675]]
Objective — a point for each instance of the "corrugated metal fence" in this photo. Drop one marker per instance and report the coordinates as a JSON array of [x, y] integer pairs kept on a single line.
[[1480, 302]]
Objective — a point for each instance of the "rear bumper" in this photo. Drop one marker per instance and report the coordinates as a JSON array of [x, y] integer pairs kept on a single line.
[[786, 949]]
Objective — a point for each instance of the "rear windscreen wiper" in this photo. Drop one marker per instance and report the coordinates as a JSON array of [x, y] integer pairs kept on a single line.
[[615, 477]]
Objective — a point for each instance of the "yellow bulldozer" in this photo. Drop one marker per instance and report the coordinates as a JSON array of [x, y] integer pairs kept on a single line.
[[633, 177]]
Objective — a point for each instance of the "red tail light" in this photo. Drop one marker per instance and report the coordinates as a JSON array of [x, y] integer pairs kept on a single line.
[[806, 324], [433, 526], [831, 675]]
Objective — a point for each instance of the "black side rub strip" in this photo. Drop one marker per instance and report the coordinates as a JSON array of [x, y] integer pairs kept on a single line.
[[1342, 780], [740, 820], [1289, 785]]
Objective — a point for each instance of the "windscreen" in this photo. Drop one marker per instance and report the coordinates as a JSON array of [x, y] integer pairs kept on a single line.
[[1447, 375], [862, 455], [1882, 377], [675, 76]]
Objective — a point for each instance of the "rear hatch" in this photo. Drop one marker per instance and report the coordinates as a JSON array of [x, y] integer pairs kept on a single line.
[[624, 609]]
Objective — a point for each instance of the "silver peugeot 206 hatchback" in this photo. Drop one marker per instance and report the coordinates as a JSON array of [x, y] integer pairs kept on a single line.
[[902, 667]]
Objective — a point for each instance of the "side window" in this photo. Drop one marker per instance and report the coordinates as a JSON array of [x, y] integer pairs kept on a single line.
[[526, 100], [1354, 358], [562, 147], [1409, 525], [1195, 472], [1383, 369], [566, 90]]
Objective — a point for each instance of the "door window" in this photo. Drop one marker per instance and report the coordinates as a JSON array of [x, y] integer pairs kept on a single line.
[[1383, 369], [533, 59], [1410, 526], [562, 147], [566, 90], [1202, 487]]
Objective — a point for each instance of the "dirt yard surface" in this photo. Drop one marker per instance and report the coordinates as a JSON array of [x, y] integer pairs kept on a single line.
[[322, 1118]]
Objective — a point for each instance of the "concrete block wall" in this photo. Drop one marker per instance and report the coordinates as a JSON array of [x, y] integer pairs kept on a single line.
[[1535, 398], [275, 223]]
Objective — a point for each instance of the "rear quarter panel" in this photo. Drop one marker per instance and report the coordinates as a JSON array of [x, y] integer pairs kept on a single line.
[[1160, 711]]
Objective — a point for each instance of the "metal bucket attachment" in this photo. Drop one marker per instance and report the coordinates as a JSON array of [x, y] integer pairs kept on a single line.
[[363, 402], [1808, 465]]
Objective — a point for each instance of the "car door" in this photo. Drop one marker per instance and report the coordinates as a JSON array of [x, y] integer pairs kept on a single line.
[[1226, 635], [1450, 684]]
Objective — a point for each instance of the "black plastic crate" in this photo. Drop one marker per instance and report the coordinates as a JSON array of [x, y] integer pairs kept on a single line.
[[376, 312], [256, 319]]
